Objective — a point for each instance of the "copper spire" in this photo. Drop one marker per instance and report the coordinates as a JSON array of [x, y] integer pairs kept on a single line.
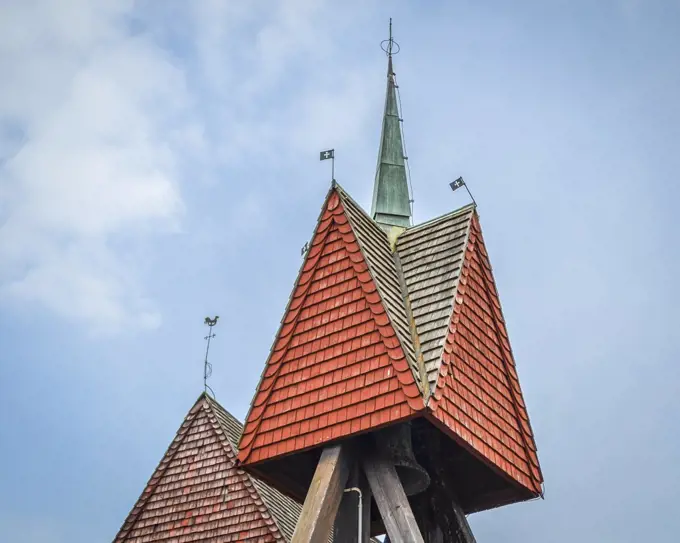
[[391, 201]]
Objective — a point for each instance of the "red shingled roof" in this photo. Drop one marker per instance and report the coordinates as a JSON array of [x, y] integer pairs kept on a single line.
[[198, 494], [337, 367], [374, 334], [478, 395]]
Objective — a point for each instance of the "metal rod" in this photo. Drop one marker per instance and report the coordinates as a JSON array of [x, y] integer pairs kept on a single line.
[[333, 167], [468, 191], [360, 510]]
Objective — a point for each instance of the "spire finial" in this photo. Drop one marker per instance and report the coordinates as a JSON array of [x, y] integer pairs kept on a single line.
[[391, 41], [391, 198], [390, 47]]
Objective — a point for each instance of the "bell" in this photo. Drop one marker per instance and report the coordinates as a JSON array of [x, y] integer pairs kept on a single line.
[[395, 442]]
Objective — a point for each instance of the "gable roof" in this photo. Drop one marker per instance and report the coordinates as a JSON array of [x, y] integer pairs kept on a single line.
[[375, 246], [197, 492], [339, 364], [434, 310], [476, 391]]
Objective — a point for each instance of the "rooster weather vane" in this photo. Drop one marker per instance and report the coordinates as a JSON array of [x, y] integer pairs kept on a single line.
[[207, 366]]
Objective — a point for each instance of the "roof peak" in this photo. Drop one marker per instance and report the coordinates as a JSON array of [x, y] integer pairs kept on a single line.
[[438, 218], [391, 199]]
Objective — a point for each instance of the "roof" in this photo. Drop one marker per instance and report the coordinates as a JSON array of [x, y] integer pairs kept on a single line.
[[465, 345], [431, 256], [341, 361], [375, 247], [284, 510], [372, 323], [197, 492]]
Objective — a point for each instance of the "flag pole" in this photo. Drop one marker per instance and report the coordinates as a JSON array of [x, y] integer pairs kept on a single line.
[[325, 155], [470, 194]]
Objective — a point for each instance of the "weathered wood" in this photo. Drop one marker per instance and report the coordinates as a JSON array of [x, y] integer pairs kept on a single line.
[[324, 495], [465, 532], [347, 519], [392, 502], [438, 510], [441, 518]]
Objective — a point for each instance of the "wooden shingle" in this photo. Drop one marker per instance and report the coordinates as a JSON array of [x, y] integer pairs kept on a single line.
[[375, 334], [197, 492]]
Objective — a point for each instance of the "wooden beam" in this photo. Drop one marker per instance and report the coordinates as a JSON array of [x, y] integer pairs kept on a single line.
[[324, 495], [347, 519], [465, 532], [440, 513], [392, 502]]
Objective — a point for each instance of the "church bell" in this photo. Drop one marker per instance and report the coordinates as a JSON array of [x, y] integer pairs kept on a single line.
[[395, 443]]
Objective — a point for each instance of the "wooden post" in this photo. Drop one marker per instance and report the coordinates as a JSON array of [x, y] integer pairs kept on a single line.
[[323, 496], [440, 514], [347, 519], [392, 502], [465, 534]]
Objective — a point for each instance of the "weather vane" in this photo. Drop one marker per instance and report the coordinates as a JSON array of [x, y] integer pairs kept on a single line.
[[207, 366]]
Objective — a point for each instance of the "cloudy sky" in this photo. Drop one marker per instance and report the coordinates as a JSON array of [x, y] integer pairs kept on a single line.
[[159, 163]]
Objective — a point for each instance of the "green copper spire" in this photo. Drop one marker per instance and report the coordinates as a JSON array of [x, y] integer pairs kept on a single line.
[[391, 201]]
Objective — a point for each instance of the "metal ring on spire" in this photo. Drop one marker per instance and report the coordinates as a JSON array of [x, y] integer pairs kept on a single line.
[[388, 44], [389, 47]]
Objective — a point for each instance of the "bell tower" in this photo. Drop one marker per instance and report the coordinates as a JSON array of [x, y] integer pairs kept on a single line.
[[390, 401]]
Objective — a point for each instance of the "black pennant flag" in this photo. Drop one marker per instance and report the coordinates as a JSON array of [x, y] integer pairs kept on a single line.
[[325, 155], [457, 183]]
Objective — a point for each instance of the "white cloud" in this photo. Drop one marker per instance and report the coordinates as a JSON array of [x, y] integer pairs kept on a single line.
[[109, 106], [91, 116]]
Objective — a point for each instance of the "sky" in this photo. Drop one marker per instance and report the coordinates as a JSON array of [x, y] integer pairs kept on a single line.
[[159, 163]]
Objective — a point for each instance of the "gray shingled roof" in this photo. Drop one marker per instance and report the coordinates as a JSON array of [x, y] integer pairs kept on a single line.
[[284, 510], [431, 256], [376, 249]]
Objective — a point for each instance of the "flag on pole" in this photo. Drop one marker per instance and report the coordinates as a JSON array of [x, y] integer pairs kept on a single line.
[[457, 183], [325, 155]]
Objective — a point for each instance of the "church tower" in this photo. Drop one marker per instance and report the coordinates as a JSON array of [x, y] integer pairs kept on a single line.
[[390, 401]]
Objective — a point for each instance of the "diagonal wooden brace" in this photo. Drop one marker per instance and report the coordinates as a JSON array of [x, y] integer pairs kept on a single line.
[[324, 495], [392, 502]]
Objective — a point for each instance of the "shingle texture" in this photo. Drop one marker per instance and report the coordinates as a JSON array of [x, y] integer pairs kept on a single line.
[[198, 494], [375, 247], [478, 395], [432, 257], [373, 335], [337, 366]]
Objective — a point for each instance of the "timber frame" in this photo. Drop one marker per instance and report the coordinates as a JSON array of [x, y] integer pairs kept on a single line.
[[354, 467]]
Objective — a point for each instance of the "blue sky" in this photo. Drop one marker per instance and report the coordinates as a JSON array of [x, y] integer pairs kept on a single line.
[[160, 163]]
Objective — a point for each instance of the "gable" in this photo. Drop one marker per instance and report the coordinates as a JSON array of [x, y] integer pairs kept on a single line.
[[337, 366], [375, 246], [198, 493], [431, 256], [478, 396]]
